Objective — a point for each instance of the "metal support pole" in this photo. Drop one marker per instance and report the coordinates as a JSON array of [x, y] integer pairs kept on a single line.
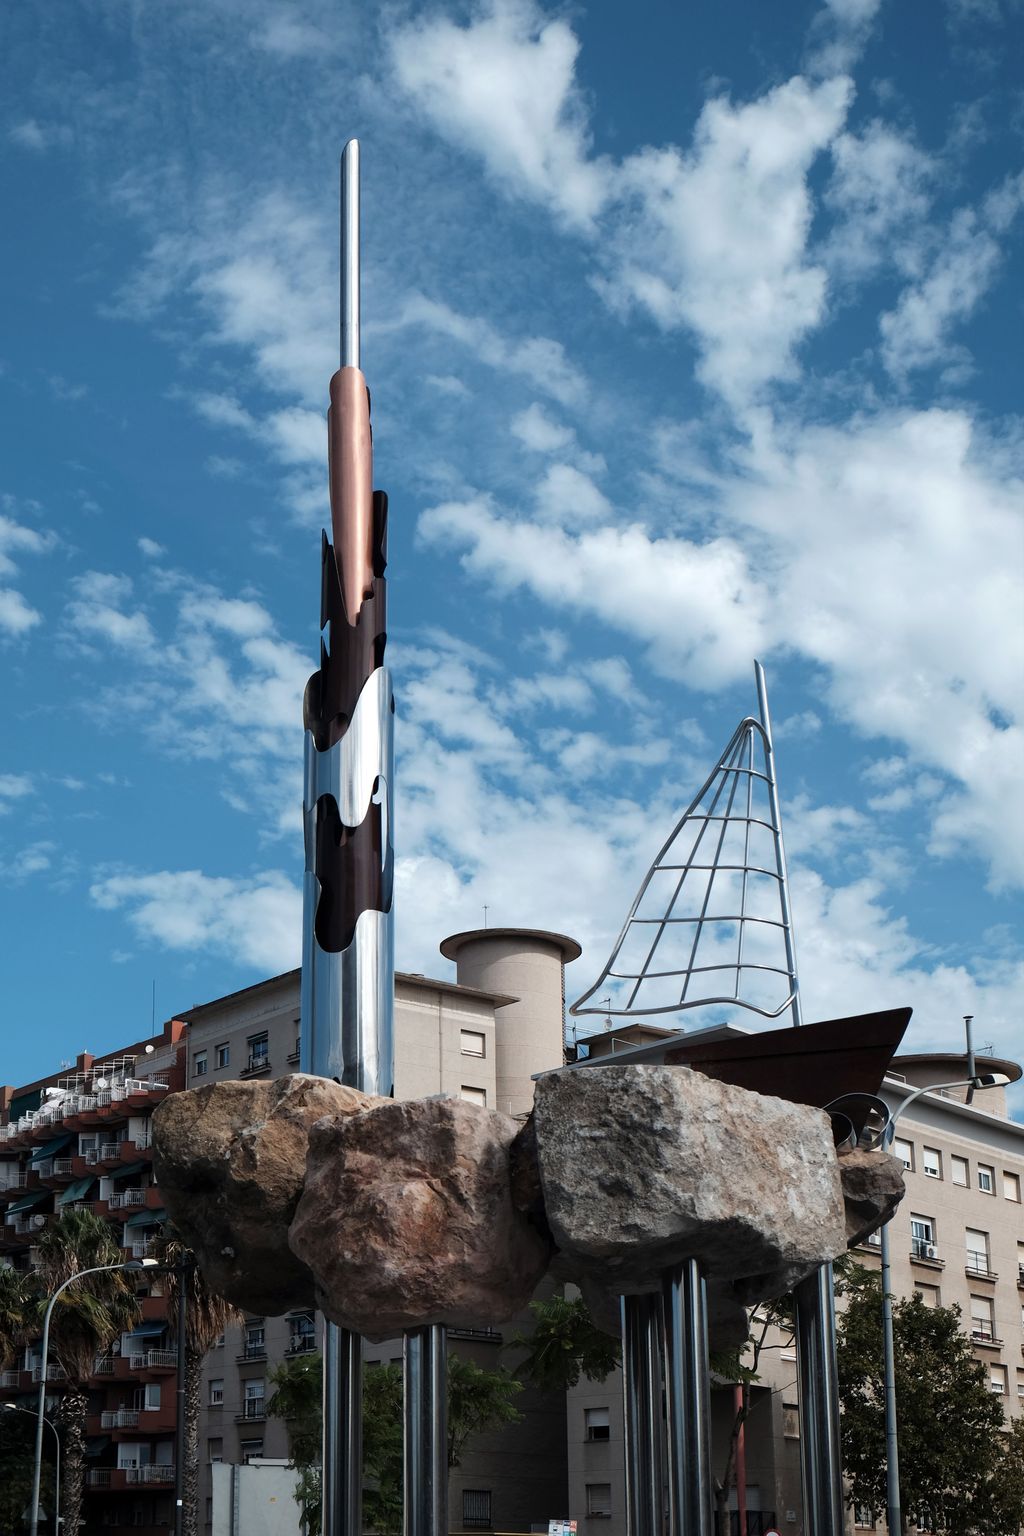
[[820, 1464], [342, 1473], [739, 1403], [184, 1274], [644, 1420], [688, 1402], [893, 1513], [426, 1432]]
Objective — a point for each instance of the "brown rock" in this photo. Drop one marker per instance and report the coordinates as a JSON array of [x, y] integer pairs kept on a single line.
[[230, 1160], [872, 1189], [407, 1218], [642, 1167]]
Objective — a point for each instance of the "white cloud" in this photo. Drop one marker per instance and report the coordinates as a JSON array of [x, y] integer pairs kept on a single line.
[[16, 615], [880, 190], [538, 431], [569, 497], [839, 33], [917, 332], [151, 549], [13, 786], [97, 611], [716, 239], [39, 137], [256, 920], [503, 87], [289, 37], [35, 859]]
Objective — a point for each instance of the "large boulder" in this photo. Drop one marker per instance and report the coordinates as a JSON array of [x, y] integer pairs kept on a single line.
[[230, 1160], [641, 1167], [407, 1218], [872, 1189]]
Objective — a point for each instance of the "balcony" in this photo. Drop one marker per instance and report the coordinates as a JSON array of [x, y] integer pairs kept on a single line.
[[103, 1365], [155, 1360], [1020, 1275], [121, 1418], [977, 1266], [10, 1381], [301, 1344], [53, 1373], [253, 1412], [293, 1057], [985, 1338], [259, 1061], [924, 1252], [99, 1477], [150, 1474]]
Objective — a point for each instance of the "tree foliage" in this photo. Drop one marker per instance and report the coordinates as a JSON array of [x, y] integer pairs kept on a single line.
[[565, 1344], [478, 1400], [960, 1472]]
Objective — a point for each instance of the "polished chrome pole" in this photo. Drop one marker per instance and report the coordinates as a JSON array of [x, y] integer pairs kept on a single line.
[[820, 1465], [687, 1401], [426, 1432], [348, 936], [644, 1418]]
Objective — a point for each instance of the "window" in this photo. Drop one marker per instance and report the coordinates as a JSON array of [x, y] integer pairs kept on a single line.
[[255, 1340], [223, 1054], [253, 1407], [199, 1064], [151, 1396], [599, 1499], [922, 1238], [259, 1050], [471, 1043], [977, 1251], [1011, 1187], [929, 1294], [904, 1150], [1020, 1383], [596, 1423], [216, 1392], [209, 1509], [791, 1421], [249, 1449], [474, 1095], [931, 1162], [863, 1517], [214, 1449], [959, 1171], [982, 1319], [986, 1179], [997, 1380], [476, 1509]]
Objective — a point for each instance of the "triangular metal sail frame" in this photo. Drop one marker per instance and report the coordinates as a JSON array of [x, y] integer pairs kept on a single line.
[[724, 804]]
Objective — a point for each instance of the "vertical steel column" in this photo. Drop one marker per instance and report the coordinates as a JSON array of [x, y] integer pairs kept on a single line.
[[820, 1465], [644, 1420], [348, 942], [688, 1402], [426, 1432]]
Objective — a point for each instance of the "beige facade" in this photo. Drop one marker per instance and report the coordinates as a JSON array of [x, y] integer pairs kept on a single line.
[[481, 1038]]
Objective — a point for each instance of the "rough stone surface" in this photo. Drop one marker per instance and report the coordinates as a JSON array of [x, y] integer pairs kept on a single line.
[[407, 1218], [642, 1167], [230, 1160], [872, 1189]]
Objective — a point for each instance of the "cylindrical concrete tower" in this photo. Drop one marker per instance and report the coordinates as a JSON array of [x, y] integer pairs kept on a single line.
[[529, 965]]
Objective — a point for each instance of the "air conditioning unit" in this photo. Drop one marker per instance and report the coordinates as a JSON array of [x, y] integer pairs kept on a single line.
[[930, 1251]]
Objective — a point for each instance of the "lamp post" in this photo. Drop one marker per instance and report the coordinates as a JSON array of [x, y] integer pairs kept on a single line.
[[13, 1408], [893, 1513], [97, 1269]]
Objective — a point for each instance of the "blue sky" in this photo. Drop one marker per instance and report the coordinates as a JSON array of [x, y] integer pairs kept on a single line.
[[689, 340]]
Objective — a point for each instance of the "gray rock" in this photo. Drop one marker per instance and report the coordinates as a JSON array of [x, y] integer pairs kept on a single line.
[[407, 1218], [872, 1189], [642, 1167], [230, 1160]]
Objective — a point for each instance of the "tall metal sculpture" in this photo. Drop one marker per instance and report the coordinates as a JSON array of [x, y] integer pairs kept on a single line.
[[710, 925], [347, 1006]]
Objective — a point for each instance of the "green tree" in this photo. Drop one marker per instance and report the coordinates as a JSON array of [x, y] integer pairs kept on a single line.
[[14, 1311], [86, 1320], [478, 1400], [17, 1459], [564, 1344], [206, 1317], [956, 1464]]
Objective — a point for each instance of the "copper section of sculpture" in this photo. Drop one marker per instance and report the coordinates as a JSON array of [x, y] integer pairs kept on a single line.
[[350, 462]]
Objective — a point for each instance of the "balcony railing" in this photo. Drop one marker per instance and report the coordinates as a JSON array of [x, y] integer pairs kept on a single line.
[[149, 1474], [923, 1248], [103, 1365], [121, 1418], [984, 1335], [53, 1373], [253, 1351], [99, 1477], [126, 1199], [301, 1344], [10, 1378], [141, 1247], [252, 1409], [978, 1265], [259, 1061], [154, 1357]]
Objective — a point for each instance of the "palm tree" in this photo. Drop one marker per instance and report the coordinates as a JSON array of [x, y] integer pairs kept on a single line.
[[14, 1306], [86, 1320], [206, 1317]]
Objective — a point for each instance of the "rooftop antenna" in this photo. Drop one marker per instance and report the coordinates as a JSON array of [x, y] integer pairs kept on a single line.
[[972, 1069], [711, 923]]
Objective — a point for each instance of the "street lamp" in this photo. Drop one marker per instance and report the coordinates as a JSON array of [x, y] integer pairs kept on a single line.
[[97, 1269], [893, 1514], [13, 1408]]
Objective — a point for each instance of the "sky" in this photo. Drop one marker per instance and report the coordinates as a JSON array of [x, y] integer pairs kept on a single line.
[[693, 335]]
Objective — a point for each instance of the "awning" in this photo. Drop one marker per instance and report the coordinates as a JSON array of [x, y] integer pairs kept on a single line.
[[25, 1103], [28, 1201], [95, 1445], [122, 1173], [147, 1330], [146, 1218], [51, 1148], [76, 1191]]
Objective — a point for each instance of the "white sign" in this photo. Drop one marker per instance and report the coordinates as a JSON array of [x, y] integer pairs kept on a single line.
[[561, 1528]]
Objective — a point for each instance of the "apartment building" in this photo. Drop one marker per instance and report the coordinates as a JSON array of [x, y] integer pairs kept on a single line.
[[958, 1237], [481, 1038], [80, 1138]]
